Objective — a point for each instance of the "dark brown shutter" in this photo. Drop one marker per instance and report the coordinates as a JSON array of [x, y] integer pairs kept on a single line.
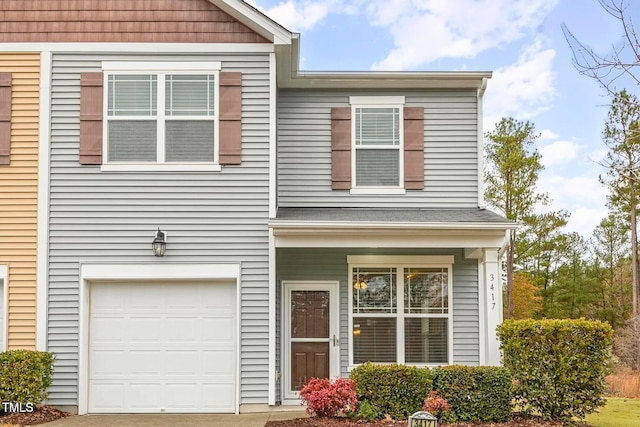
[[91, 118], [230, 118], [5, 118], [341, 148], [413, 148]]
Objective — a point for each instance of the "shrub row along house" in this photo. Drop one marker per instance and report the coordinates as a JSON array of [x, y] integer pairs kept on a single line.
[[313, 221]]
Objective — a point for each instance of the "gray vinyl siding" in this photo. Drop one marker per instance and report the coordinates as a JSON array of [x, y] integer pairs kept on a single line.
[[331, 265], [209, 217], [451, 150]]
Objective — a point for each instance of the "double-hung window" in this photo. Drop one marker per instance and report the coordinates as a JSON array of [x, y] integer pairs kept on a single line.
[[400, 310], [377, 142], [161, 116]]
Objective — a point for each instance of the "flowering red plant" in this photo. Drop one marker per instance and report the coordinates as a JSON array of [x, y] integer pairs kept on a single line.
[[328, 398], [435, 404]]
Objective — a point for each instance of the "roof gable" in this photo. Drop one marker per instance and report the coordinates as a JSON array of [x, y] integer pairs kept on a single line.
[[141, 21]]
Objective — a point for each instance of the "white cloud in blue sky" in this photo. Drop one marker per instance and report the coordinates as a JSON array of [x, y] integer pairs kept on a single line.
[[519, 40]]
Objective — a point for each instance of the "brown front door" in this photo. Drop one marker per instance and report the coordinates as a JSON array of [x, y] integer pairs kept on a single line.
[[309, 336]]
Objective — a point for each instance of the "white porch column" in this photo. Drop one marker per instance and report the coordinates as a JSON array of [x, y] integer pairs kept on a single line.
[[491, 305]]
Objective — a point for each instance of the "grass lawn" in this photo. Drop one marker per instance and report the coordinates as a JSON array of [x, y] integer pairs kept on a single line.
[[618, 412]]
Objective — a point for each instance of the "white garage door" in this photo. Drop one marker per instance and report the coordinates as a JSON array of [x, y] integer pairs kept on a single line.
[[162, 347]]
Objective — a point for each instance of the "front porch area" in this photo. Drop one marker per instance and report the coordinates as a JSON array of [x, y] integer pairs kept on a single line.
[[346, 292]]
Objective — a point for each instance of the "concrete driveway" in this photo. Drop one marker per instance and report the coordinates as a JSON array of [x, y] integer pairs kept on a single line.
[[174, 420]]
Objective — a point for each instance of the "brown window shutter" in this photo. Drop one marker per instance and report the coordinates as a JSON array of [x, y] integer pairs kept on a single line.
[[5, 118], [230, 118], [413, 148], [91, 118], [341, 148]]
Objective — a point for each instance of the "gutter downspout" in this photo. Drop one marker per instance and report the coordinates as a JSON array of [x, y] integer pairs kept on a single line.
[[481, 90]]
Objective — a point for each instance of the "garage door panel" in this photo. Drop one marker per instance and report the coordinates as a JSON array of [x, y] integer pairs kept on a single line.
[[144, 363], [144, 330], [218, 330], [108, 364], [218, 362], [227, 393], [107, 330], [163, 348], [183, 363], [107, 396], [181, 329]]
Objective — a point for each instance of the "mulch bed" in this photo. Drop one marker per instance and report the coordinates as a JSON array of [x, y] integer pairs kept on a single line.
[[40, 415], [344, 422]]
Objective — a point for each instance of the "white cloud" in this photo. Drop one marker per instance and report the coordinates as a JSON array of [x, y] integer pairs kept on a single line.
[[299, 15], [558, 153], [585, 219], [426, 30], [522, 89], [547, 134], [581, 195]]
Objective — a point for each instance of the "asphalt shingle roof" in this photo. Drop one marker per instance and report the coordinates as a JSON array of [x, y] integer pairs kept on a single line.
[[469, 215]]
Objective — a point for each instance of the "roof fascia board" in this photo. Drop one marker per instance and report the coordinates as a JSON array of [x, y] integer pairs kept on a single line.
[[256, 20], [330, 226], [290, 77], [388, 240]]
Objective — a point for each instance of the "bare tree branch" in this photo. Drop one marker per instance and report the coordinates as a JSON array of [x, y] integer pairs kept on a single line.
[[623, 61]]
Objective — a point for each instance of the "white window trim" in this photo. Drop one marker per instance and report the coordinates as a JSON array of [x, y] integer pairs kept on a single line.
[[400, 263], [161, 69], [377, 102]]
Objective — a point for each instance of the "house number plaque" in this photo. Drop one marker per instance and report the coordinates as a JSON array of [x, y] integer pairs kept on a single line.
[[492, 282]]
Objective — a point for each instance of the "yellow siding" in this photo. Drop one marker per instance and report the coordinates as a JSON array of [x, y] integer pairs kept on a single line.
[[19, 199]]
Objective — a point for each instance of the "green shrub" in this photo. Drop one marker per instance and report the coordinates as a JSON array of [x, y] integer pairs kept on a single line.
[[397, 390], [559, 366], [475, 393], [366, 412], [26, 375]]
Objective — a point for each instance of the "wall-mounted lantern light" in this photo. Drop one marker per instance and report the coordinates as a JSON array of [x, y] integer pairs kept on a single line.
[[159, 244]]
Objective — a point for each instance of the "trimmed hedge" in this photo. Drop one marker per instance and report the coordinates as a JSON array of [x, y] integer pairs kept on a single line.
[[559, 366], [397, 390], [26, 375], [475, 393]]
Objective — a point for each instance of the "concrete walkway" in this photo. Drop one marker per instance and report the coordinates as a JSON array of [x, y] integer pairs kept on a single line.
[[174, 420]]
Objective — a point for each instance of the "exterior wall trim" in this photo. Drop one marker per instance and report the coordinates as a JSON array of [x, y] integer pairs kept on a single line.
[[255, 20], [43, 201], [402, 259], [4, 302], [273, 135], [138, 47], [111, 272], [272, 376], [389, 238]]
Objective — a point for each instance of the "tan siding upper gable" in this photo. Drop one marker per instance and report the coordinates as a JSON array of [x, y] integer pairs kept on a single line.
[[19, 199], [142, 21]]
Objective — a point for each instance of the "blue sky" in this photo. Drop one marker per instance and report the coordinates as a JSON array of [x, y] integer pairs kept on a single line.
[[521, 41]]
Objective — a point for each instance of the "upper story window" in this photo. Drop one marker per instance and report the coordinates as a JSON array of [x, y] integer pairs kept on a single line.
[[377, 135], [158, 116], [162, 116], [377, 147]]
